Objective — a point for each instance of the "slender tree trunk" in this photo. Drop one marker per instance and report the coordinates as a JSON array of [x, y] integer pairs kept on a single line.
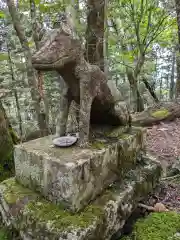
[[133, 76], [15, 92], [167, 85], [6, 146], [95, 32], [172, 83], [150, 89], [138, 101], [106, 34], [36, 27], [160, 86], [177, 2], [178, 74], [30, 70]]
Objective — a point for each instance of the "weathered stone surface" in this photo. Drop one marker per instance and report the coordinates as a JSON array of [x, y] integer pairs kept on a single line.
[[74, 176], [36, 218]]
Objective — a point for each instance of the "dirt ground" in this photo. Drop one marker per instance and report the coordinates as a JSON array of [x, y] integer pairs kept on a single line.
[[163, 140]]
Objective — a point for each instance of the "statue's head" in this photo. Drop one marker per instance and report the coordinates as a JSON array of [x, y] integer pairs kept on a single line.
[[58, 48]]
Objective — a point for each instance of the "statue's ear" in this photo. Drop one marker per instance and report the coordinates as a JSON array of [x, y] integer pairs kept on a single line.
[[49, 35], [61, 18]]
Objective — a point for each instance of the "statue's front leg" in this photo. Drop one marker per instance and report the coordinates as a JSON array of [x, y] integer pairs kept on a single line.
[[63, 115], [121, 110], [84, 115], [73, 123]]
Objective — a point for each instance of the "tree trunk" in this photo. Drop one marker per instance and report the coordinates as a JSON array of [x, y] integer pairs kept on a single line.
[[156, 114], [151, 91], [177, 2], [106, 35], [160, 88], [15, 91], [172, 83], [138, 101], [6, 146], [95, 32], [30, 70], [178, 74], [37, 38]]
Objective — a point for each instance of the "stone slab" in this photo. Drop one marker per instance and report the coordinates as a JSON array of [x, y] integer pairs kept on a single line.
[[74, 176], [36, 218]]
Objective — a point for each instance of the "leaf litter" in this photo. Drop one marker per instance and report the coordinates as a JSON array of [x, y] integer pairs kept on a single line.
[[163, 141]]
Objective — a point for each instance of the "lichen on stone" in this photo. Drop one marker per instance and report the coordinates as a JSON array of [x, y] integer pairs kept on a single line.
[[157, 226], [162, 113]]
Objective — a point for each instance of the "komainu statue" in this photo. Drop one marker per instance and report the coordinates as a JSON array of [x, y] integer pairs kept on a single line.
[[87, 85]]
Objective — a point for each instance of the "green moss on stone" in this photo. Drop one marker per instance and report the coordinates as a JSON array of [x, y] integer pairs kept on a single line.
[[6, 155], [98, 145], [162, 113], [5, 174], [157, 226], [15, 191], [46, 212], [4, 234], [126, 238], [106, 196], [14, 136], [118, 132]]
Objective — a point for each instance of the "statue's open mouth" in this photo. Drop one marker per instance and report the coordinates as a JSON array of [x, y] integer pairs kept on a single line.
[[40, 66], [60, 63]]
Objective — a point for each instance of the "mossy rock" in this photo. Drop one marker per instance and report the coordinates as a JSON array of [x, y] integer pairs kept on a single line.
[[157, 226], [6, 161], [44, 211], [162, 113], [4, 234], [98, 145], [7, 234], [6, 150], [60, 218]]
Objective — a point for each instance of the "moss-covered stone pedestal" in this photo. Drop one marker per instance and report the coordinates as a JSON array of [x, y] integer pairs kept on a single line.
[[105, 183], [36, 218], [74, 176]]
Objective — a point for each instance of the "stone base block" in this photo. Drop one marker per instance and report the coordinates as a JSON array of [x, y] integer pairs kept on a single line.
[[73, 176], [37, 218]]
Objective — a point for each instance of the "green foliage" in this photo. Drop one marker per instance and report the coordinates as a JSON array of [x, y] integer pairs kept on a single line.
[[2, 14], [137, 27], [157, 226]]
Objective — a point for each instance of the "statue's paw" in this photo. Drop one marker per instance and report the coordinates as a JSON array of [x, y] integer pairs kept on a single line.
[[83, 144]]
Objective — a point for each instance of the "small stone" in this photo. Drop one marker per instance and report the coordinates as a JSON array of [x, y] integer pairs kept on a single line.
[[159, 207]]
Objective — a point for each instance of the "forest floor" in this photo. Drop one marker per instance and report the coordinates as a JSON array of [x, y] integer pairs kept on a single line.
[[163, 140]]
